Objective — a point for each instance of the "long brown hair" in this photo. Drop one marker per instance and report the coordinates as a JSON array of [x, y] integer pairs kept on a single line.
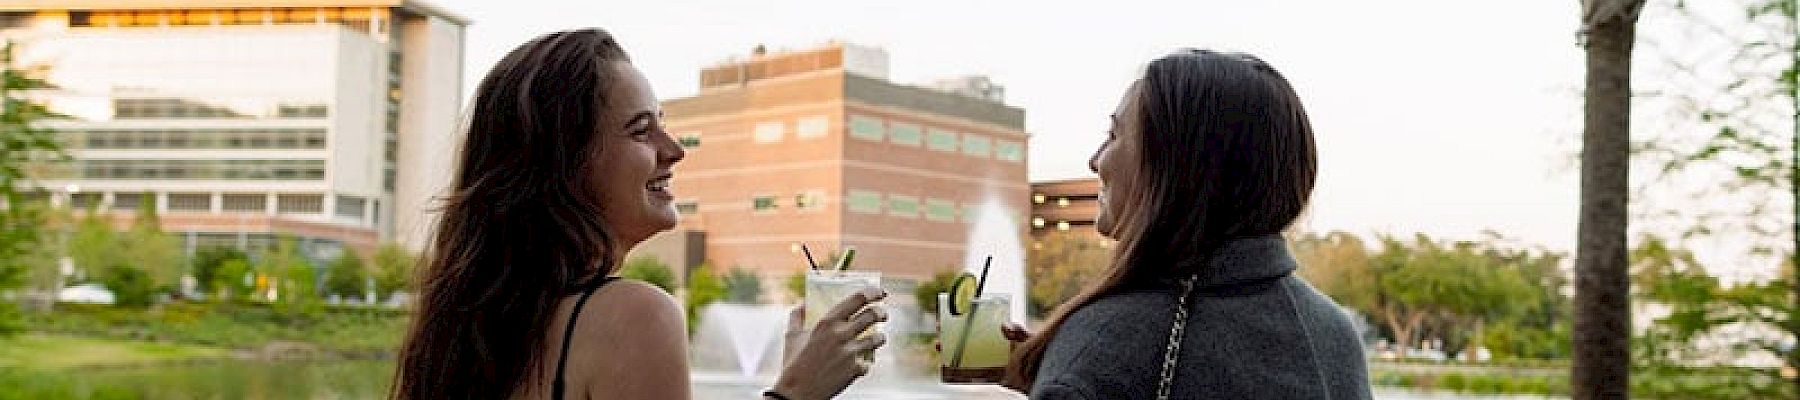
[[521, 226], [1227, 153]]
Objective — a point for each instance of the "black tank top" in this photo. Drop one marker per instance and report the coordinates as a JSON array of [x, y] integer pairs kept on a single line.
[[556, 387]]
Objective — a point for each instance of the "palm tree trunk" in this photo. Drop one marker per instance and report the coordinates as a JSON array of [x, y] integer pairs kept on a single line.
[[1602, 334]]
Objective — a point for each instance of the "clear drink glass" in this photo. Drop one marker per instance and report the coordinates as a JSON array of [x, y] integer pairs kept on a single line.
[[974, 350], [826, 288]]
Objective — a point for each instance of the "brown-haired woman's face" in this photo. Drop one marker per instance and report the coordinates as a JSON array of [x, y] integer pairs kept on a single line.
[[1118, 163], [635, 160]]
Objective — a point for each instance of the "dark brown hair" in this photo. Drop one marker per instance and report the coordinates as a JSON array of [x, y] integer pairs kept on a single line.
[[521, 226], [1227, 153]]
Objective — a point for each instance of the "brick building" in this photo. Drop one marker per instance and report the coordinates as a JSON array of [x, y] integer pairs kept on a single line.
[[818, 147]]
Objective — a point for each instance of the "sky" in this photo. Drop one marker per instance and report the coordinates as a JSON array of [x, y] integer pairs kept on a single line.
[[1445, 117]]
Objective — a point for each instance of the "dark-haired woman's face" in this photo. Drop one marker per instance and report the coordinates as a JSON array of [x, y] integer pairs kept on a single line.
[[1118, 163], [635, 160]]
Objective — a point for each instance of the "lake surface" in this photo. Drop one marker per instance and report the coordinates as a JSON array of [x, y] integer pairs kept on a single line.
[[253, 380]]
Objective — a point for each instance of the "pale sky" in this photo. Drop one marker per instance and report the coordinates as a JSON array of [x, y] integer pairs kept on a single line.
[[1435, 116]]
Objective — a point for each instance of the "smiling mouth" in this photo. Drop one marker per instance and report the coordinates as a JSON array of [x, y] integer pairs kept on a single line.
[[660, 185]]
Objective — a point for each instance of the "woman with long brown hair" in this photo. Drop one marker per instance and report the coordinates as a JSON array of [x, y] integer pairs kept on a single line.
[[565, 167], [1209, 159]]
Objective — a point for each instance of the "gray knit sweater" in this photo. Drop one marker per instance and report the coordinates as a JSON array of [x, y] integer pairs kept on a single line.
[[1254, 331]]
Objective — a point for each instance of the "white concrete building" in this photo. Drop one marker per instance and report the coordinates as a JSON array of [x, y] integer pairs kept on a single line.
[[331, 121]]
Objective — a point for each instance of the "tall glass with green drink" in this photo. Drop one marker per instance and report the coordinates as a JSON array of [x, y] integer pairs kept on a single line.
[[974, 350], [825, 288]]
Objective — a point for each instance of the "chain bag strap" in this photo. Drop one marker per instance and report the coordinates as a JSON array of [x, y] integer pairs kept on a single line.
[[1173, 351]]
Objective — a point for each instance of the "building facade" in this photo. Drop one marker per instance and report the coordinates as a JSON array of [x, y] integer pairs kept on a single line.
[[817, 147], [240, 121], [1065, 206]]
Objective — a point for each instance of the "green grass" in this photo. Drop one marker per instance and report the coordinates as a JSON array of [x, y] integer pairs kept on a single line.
[[40, 351], [344, 331]]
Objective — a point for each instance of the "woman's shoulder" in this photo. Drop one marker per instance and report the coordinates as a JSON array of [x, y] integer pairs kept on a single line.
[[633, 303], [631, 337]]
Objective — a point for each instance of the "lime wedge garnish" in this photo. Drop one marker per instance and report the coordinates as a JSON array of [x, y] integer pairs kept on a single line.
[[962, 293]]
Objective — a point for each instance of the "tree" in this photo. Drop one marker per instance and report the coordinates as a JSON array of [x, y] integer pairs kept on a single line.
[[295, 278], [131, 287], [347, 277], [394, 267], [146, 245], [94, 245], [23, 143], [651, 271], [927, 292], [208, 263], [704, 287], [795, 285], [1060, 265], [743, 286], [1601, 368], [234, 279], [1750, 161], [1337, 263]]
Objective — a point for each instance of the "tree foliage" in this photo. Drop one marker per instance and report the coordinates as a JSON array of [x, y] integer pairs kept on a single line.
[[1060, 265], [650, 270], [347, 277], [394, 269]]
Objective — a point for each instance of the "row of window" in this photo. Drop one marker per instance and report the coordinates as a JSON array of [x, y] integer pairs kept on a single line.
[[347, 206], [303, 170], [234, 138], [859, 201], [875, 129], [251, 16], [171, 108], [905, 134]]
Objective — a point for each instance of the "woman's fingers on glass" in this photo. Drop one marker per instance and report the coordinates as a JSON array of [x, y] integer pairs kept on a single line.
[[797, 319], [869, 343], [869, 316], [1014, 332], [854, 302]]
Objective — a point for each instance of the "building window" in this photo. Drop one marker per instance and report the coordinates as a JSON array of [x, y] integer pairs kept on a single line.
[[903, 206], [687, 207], [84, 200], [127, 201], [244, 202], [1006, 150], [809, 200], [864, 201], [940, 210], [351, 207], [866, 128], [940, 140], [812, 127], [763, 204], [162, 169], [299, 204], [689, 140], [1037, 222], [190, 202], [977, 146], [905, 135], [1062, 202], [1062, 225], [1037, 198], [768, 132]]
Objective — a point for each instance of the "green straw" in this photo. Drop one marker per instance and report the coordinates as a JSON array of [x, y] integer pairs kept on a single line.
[[969, 319], [849, 254]]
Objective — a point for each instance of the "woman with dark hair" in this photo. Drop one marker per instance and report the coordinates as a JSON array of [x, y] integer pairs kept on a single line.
[[565, 167], [1209, 159]]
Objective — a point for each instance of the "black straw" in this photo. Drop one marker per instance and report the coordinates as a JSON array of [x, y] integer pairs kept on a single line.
[[809, 258]]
